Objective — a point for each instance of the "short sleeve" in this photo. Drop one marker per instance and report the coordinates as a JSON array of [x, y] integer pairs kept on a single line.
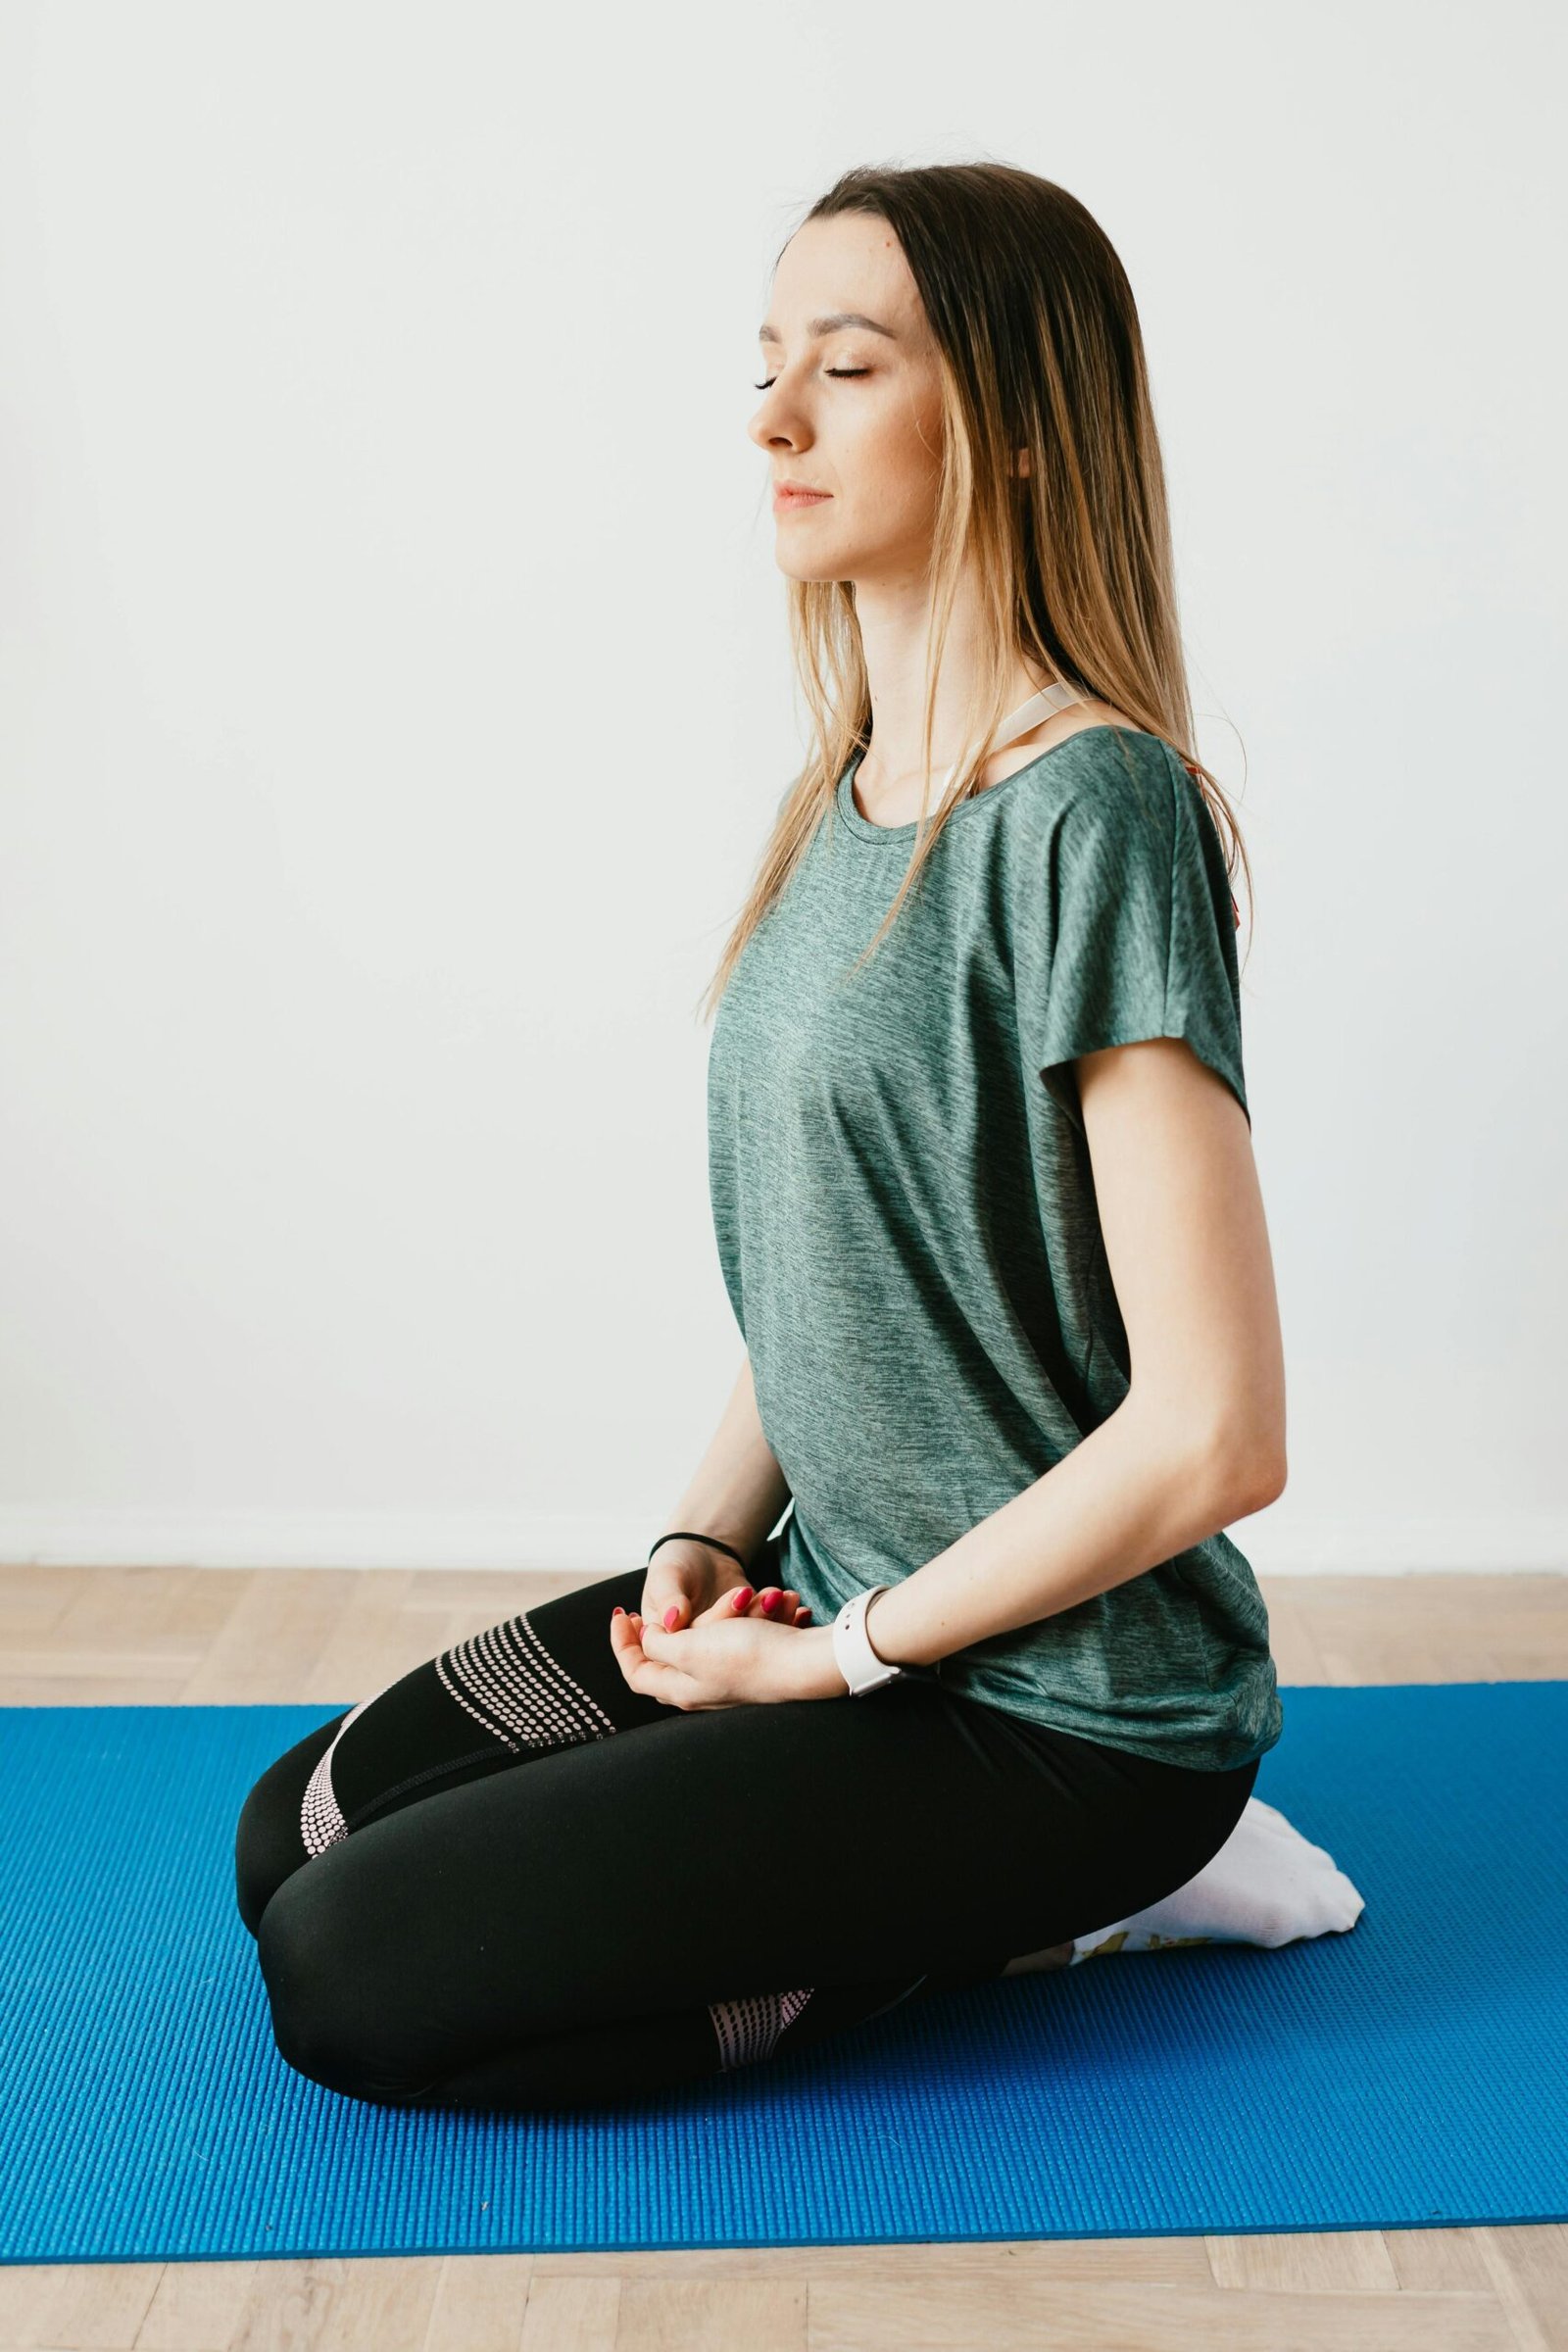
[[1137, 938]]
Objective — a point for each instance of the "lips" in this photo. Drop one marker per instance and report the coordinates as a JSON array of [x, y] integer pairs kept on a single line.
[[785, 494]]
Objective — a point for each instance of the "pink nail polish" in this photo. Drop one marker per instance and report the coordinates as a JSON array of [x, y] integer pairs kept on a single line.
[[671, 1618], [770, 1602], [618, 1612], [744, 1599]]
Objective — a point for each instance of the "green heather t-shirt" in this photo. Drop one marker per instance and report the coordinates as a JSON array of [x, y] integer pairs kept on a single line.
[[905, 1215]]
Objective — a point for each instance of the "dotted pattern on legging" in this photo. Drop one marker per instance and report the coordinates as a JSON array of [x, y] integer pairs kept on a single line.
[[508, 1682], [516, 1690], [321, 1822], [747, 2027]]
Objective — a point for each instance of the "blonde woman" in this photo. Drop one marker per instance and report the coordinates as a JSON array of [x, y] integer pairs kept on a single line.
[[943, 1656]]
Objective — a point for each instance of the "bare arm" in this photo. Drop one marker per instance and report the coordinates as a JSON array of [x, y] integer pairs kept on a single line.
[[738, 1492], [1199, 1441]]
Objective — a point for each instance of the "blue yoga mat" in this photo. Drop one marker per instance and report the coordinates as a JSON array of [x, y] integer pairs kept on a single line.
[[1407, 2074]]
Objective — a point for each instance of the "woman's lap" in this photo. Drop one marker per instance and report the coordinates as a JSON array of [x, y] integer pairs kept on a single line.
[[543, 1678], [447, 1903]]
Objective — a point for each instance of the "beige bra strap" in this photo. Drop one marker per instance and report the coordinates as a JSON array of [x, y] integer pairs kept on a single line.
[[1059, 697]]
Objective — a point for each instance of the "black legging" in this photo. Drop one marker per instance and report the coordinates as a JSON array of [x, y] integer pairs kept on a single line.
[[437, 1927]]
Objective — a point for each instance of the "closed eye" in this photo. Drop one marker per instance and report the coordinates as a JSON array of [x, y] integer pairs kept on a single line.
[[768, 386]]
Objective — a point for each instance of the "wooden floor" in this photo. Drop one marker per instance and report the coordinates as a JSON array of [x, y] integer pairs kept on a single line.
[[77, 1636]]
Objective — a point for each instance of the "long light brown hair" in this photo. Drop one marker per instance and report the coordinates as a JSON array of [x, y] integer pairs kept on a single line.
[[1039, 347]]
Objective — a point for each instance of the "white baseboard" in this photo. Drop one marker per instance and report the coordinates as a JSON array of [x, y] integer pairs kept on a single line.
[[589, 1544]]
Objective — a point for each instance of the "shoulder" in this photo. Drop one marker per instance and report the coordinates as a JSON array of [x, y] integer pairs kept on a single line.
[[1091, 726], [1125, 818], [1106, 779], [1111, 819]]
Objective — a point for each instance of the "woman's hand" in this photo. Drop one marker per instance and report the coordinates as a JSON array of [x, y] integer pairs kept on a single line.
[[688, 1583], [726, 1659]]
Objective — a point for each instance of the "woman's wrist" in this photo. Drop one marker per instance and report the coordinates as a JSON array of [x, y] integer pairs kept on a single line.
[[821, 1676]]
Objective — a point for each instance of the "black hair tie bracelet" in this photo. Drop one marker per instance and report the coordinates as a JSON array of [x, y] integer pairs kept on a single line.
[[684, 1536]]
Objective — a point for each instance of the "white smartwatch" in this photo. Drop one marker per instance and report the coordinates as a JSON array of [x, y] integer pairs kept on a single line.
[[857, 1660]]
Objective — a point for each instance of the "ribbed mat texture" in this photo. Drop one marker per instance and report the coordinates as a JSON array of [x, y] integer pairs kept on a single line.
[[1409, 2073]]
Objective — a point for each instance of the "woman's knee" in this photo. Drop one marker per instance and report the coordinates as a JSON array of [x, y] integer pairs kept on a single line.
[[339, 2016], [268, 1846]]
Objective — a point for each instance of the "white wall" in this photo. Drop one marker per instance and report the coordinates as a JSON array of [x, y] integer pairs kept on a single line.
[[394, 691]]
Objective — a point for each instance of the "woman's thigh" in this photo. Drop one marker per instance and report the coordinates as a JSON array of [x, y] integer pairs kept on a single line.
[[712, 1857], [542, 1679]]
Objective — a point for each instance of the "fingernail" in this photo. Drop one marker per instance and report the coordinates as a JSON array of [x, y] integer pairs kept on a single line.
[[801, 1616], [771, 1601], [745, 1597], [671, 1618], [618, 1612]]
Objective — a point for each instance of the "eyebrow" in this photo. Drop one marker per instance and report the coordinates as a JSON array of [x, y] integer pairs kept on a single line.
[[829, 326]]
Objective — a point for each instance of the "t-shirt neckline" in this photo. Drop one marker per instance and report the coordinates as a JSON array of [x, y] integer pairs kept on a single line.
[[863, 829]]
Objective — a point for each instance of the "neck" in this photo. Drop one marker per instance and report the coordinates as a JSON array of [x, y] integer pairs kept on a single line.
[[893, 621]]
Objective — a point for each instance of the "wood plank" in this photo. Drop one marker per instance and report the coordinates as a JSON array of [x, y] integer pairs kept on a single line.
[[1306, 2262], [197, 2306], [1016, 2312], [480, 2303]]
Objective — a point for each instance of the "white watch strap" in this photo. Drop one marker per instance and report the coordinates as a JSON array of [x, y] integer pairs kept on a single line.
[[857, 1660]]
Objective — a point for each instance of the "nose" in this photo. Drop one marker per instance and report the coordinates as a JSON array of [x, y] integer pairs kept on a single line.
[[777, 423]]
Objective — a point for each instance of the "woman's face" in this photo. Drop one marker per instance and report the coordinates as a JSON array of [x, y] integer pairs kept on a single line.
[[852, 409]]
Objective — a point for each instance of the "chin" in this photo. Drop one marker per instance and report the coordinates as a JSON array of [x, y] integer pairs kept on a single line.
[[797, 564]]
